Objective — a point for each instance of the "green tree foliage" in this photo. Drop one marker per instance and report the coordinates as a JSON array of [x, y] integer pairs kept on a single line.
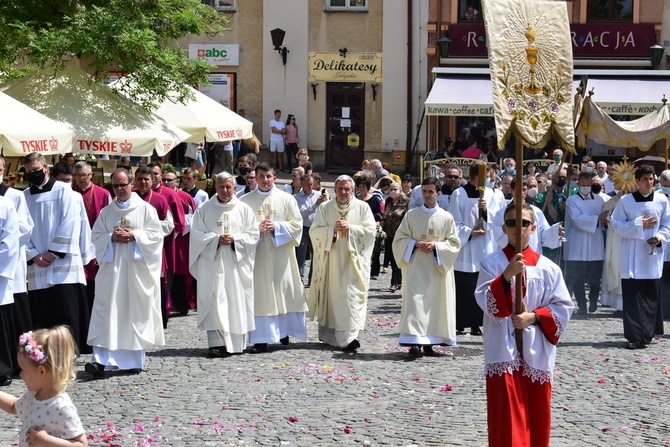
[[137, 37]]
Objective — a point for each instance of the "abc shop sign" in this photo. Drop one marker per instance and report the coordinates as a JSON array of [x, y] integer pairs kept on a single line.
[[215, 54]]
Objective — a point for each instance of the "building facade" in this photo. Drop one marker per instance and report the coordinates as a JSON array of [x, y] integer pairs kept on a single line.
[[611, 46], [342, 69]]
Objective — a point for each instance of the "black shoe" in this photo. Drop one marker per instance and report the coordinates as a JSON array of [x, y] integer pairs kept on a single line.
[[582, 311], [131, 371], [460, 332], [475, 331], [631, 345], [284, 341], [593, 306], [5, 380], [351, 347], [640, 345], [258, 348], [94, 369], [428, 350], [218, 352], [414, 351]]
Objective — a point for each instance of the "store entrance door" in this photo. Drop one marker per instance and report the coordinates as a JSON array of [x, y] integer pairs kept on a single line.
[[345, 125]]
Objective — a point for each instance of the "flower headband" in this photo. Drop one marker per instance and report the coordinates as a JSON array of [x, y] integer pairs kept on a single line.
[[28, 345]]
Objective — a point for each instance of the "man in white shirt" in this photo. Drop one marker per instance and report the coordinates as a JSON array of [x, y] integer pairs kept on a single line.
[[585, 247], [308, 202], [553, 168], [277, 132]]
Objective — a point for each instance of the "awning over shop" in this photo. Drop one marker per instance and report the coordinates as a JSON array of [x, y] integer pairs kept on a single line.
[[460, 96], [624, 94]]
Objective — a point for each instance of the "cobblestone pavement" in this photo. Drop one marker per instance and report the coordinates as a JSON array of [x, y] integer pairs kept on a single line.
[[308, 394]]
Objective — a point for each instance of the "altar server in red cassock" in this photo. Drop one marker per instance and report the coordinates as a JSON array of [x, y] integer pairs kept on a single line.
[[518, 384]]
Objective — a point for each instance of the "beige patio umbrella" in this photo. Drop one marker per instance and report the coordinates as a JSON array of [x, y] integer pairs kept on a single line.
[[202, 117], [102, 121], [24, 130]]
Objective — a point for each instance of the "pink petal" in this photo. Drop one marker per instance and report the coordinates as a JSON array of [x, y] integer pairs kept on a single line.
[[348, 430]]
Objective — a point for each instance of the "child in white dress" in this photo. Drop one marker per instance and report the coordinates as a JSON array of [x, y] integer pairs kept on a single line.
[[47, 414]]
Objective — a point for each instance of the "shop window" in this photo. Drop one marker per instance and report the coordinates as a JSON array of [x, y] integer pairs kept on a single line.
[[610, 10], [221, 5], [470, 11], [347, 5]]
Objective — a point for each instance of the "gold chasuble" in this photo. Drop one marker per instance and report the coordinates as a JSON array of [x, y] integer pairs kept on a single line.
[[530, 55], [339, 292]]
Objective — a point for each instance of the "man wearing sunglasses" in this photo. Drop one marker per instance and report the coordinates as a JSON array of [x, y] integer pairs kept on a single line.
[[126, 317], [518, 384]]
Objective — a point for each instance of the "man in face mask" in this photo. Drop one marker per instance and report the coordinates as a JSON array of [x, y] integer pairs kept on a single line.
[[243, 168], [585, 247], [597, 188], [554, 205], [509, 167], [553, 168], [58, 248], [533, 195]]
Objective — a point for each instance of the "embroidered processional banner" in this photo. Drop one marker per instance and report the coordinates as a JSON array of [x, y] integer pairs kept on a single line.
[[530, 55]]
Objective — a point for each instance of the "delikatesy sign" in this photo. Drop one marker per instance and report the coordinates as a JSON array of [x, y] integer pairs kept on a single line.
[[215, 54]]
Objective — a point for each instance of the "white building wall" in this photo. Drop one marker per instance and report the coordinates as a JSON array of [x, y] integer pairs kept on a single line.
[[393, 90], [665, 32], [284, 85]]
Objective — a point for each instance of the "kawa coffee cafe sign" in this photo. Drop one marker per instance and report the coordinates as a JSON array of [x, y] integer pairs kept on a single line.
[[354, 67]]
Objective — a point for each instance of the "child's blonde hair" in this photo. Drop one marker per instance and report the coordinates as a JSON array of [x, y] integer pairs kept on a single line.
[[59, 352]]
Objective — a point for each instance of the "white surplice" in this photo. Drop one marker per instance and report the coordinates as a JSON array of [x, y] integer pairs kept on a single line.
[[635, 259], [341, 277], [225, 273], [279, 296], [9, 250], [545, 235], [25, 231], [466, 213], [546, 294], [59, 228], [583, 230], [428, 313], [126, 312]]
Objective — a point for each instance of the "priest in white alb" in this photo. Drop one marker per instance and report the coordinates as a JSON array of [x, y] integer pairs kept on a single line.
[[426, 246], [279, 296], [126, 317], [222, 248], [343, 236]]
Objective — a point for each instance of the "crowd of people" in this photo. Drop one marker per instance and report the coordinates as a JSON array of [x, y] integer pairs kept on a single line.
[[112, 266]]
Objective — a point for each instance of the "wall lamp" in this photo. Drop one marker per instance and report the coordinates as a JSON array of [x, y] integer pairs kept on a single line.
[[374, 91], [343, 52], [314, 86], [277, 40], [444, 46]]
